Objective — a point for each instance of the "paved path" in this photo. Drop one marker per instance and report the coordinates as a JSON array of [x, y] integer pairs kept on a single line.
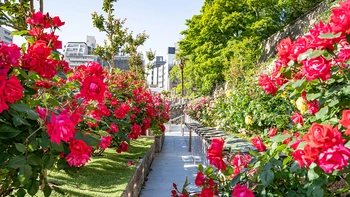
[[171, 165]]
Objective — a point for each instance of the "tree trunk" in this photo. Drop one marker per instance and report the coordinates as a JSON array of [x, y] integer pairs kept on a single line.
[[41, 4], [182, 82]]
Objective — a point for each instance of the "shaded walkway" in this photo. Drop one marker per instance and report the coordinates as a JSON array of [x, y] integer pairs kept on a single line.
[[171, 165]]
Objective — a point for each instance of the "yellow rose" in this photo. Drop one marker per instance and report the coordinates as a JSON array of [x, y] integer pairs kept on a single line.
[[292, 101], [301, 105], [248, 120], [284, 94]]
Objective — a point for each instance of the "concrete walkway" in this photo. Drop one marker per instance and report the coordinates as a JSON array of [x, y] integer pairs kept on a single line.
[[172, 165]]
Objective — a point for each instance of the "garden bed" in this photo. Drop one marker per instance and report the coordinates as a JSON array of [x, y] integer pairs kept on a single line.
[[108, 175]]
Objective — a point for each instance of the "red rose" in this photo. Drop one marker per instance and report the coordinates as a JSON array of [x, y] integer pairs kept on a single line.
[[297, 118], [123, 147], [323, 136], [312, 107], [215, 153], [298, 47], [345, 121], [272, 132], [135, 131], [334, 158], [56, 21], [105, 141], [114, 128], [13, 90], [61, 128], [317, 68], [242, 191], [207, 192], [80, 153], [284, 48], [259, 144], [266, 83], [200, 179], [93, 88], [122, 111], [340, 18]]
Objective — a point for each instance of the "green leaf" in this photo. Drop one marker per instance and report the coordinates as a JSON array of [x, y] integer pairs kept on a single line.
[[347, 36], [316, 53], [17, 162], [235, 180], [34, 159], [302, 145], [333, 103], [209, 170], [61, 74], [23, 73], [17, 121], [312, 175], [314, 96], [318, 192], [329, 35], [200, 168], [295, 166], [33, 188], [57, 147], [47, 190], [21, 147], [346, 89], [20, 107], [91, 140], [300, 84], [32, 115], [304, 55], [266, 177], [25, 172], [280, 138], [347, 145], [7, 131], [54, 102], [320, 114], [287, 160], [21, 193], [33, 145]]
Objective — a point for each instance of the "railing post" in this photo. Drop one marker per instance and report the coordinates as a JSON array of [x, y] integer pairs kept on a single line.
[[190, 141]]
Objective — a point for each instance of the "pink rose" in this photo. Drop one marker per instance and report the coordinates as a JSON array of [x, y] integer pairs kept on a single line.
[[105, 141], [334, 158], [242, 191], [215, 153], [317, 68], [297, 118], [61, 128]]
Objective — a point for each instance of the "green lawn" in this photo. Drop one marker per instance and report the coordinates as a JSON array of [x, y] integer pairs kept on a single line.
[[102, 176]]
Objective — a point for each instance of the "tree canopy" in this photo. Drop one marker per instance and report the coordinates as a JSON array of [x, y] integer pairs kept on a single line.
[[228, 34]]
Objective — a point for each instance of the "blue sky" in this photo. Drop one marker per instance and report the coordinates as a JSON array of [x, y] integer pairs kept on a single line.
[[162, 20]]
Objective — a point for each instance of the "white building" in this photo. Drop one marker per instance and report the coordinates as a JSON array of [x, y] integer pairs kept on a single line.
[[158, 76], [5, 36], [77, 53]]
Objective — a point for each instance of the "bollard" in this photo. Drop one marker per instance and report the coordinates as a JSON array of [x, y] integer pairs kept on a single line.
[[190, 142], [182, 126]]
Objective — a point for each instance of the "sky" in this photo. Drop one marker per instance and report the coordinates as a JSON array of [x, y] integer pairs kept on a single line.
[[162, 20]]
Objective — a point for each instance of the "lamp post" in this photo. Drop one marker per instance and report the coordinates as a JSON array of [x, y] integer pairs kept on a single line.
[[181, 63]]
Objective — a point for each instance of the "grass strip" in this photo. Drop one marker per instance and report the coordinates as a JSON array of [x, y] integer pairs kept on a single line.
[[107, 175]]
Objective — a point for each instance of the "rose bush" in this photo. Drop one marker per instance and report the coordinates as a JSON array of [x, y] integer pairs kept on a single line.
[[309, 155], [53, 116]]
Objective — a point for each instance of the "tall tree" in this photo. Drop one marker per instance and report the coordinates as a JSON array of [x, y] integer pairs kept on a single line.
[[118, 38], [222, 24]]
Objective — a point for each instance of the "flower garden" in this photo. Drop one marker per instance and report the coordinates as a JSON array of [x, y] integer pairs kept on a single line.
[[297, 116], [56, 120], [56, 117]]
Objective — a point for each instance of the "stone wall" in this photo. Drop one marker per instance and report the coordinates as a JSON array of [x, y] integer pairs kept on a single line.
[[292, 30], [135, 184]]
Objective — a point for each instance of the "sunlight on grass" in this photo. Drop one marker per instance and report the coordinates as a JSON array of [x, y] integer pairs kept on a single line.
[[102, 176]]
